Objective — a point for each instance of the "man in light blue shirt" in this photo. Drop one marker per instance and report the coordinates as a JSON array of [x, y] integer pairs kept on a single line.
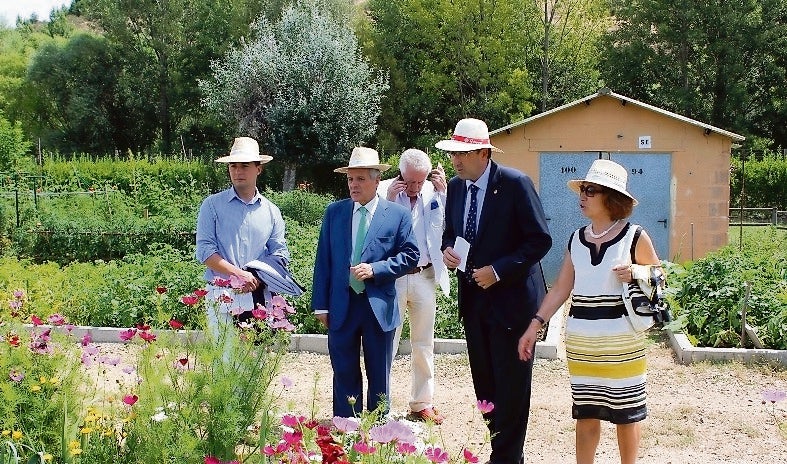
[[234, 227]]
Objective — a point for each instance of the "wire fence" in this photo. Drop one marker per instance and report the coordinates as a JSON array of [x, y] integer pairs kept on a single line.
[[758, 217]]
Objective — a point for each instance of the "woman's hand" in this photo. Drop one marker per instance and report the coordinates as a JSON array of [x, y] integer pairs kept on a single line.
[[527, 342]]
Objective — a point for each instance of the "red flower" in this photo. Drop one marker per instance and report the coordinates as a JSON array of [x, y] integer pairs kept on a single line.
[[175, 324], [143, 327], [211, 460], [130, 399], [200, 292], [189, 300], [161, 290], [469, 456], [147, 336], [36, 320], [14, 341]]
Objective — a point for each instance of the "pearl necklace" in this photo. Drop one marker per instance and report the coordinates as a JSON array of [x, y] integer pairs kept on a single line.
[[590, 230]]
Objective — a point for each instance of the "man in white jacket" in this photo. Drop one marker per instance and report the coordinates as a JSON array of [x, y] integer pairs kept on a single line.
[[416, 290]]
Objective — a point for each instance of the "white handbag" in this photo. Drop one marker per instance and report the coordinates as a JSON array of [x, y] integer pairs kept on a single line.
[[643, 296]]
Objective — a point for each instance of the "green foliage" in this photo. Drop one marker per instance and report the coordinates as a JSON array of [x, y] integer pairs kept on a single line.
[[765, 182], [703, 60], [114, 294], [709, 292], [299, 86], [13, 145]]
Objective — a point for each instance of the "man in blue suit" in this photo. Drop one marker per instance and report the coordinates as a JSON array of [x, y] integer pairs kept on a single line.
[[497, 210], [366, 243]]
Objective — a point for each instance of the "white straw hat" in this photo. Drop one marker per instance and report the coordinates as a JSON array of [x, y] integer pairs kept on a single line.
[[470, 134], [363, 157], [607, 174], [245, 150]]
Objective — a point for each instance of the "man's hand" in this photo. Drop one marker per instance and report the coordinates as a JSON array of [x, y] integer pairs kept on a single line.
[[250, 282], [438, 179], [362, 271], [397, 186], [323, 318], [450, 258], [484, 277]]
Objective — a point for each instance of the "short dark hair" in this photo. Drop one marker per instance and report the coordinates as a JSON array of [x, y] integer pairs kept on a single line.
[[619, 206]]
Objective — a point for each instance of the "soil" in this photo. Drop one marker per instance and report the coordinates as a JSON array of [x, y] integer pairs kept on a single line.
[[701, 413]]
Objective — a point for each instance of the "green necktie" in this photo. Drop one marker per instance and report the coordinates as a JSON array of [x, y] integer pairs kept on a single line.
[[360, 236]]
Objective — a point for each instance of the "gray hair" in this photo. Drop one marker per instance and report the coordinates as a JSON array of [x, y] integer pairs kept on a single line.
[[415, 160], [374, 174]]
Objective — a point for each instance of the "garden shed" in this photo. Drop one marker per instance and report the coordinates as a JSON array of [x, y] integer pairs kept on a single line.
[[679, 169]]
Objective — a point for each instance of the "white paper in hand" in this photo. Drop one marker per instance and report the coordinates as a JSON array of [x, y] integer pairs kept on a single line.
[[462, 248]]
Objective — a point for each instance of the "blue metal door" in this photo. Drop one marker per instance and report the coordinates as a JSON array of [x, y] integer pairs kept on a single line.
[[649, 182]]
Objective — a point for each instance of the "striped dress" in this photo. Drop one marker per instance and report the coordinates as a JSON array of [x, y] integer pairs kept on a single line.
[[606, 357]]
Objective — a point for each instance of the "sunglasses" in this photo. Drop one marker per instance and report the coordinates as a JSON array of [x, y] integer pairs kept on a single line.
[[590, 190], [461, 154]]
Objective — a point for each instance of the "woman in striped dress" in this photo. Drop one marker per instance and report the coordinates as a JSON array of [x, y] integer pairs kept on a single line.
[[606, 357]]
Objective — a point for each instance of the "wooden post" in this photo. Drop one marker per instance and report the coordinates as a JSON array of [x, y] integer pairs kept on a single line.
[[744, 305]]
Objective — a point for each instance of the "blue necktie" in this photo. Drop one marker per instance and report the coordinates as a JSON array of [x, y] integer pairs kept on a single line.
[[470, 230], [360, 236]]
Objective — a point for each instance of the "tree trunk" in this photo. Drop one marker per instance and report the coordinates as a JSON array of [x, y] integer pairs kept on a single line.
[[288, 179]]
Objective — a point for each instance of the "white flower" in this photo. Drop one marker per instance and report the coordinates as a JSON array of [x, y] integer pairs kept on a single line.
[[159, 416]]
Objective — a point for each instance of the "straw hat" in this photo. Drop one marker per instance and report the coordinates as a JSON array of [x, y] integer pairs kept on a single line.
[[470, 134], [363, 157], [245, 150], [607, 174]]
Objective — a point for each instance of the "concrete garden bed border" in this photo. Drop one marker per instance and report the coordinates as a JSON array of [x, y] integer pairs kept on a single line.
[[686, 353], [550, 348]]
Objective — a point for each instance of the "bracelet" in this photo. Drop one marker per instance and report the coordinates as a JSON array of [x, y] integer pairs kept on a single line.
[[540, 319]]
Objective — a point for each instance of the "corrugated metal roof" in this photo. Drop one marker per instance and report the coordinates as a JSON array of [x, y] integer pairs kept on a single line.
[[625, 100]]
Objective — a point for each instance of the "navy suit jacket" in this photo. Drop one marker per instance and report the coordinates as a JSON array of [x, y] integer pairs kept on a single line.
[[390, 248], [512, 236]]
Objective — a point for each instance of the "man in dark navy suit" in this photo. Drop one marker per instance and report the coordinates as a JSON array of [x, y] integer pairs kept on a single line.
[[366, 243], [497, 210]]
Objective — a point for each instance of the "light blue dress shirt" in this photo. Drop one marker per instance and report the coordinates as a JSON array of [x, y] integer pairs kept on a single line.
[[238, 231]]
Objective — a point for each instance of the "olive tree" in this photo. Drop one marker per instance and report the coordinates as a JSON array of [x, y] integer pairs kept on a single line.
[[299, 86]]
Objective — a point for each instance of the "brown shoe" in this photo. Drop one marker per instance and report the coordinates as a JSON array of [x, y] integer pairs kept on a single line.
[[427, 415]]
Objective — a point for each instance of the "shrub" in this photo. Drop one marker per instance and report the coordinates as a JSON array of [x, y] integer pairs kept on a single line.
[[708, 293]]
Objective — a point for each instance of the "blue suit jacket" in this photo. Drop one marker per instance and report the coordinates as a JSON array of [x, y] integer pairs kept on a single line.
[[512, 236], [390, 248]]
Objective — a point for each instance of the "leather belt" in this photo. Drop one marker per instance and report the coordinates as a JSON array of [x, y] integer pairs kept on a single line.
[[418, 269]]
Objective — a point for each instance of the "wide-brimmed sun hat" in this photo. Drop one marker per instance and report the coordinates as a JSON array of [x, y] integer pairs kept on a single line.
[[245, 150], [470, 134], [606, 173], [363, 157]]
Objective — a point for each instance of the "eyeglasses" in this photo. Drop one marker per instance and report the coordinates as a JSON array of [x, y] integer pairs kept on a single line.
[[461, 154], [590, 190]]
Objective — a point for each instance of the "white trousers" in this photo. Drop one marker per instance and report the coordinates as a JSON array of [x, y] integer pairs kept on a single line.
[[417, 300]]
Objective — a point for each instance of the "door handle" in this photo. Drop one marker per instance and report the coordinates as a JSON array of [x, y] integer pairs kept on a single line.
[[663, 221]]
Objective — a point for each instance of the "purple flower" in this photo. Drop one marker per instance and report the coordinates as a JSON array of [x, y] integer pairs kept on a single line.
[[286, 381], [485, 406], [346, 424], [774, 396], [16, 376], [56, 319], [86, 339]]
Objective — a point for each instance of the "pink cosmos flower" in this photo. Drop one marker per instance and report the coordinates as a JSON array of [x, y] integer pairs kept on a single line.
[[175, 324], [405, 448], [292, 421], [130, 399], [16, 376], [15, 304], [189, 300], [126, 335], [259, 313], [219, 282], [346, 424], [211, 460], [382, 433], [236, 282], [147, 336], [469, 456], [19, 294], [436, 455], [56, 319], [485, 406], [200, 292], [278, 300], [364, 448], [36, 320], [286, 381], [774, 396], [225, 298], [129, 369], [161, 289]]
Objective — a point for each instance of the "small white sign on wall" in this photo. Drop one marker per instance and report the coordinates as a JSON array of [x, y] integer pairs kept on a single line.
[[644, 141]]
